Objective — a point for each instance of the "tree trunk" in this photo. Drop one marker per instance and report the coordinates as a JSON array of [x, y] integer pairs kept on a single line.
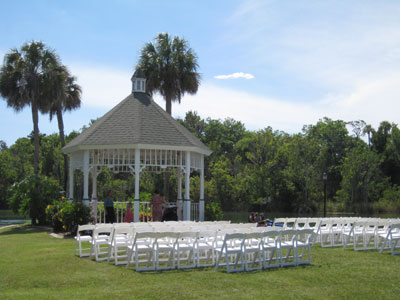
[[35, 119], [62, 138], [168, 105]]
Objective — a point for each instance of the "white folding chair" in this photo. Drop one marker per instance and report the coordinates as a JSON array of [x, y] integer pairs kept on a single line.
[[186, 250], [83, 236], [164, 250], [253, 256], [232, 250], [355, 235], [382, 230], [303, 246], [141, 252], [99, 243], [287, 247], [315, 225], [326, 233], [120, 239], [392, 238], [206, 248], [270, 249]]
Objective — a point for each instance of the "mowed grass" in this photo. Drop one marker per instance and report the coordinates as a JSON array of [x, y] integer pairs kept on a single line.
[[35, 265]]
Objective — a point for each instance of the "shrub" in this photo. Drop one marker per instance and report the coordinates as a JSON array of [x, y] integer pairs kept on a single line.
[[64, 216], [30, 197], [390, 200], [213, 211]]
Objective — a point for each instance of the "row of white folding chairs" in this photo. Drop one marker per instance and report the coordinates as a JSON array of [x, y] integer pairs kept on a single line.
[[264, 249], [369, 234], [100, 237], [207, 240], [126, 244], [335, 231]]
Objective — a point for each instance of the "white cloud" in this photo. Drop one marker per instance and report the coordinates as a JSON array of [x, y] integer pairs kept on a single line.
[[235, 76]]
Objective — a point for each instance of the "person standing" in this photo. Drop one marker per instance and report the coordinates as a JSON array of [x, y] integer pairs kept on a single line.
[[157, 202], [129, 215], [109, 207]]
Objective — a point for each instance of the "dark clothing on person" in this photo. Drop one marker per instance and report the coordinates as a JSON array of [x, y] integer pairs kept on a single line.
[[109, 208]]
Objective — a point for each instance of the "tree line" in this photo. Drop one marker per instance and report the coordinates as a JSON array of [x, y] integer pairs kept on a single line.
[[254, 170]]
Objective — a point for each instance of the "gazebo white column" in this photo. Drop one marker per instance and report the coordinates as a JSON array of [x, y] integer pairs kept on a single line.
[[86, 177], [136, 204], [201, 202], [179, 202], [186, 207], [94, 194], [71, 181]]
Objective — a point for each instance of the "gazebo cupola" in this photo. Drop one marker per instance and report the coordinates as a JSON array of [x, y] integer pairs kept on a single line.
[[137, 136], [138, 81]]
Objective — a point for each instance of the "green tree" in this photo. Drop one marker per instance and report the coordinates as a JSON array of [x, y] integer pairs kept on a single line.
[[22, 158], [170, 66], [23, 78], [301, 175], [194, 124], [363, 182], [31, 196], [333, 140], [8, 175]]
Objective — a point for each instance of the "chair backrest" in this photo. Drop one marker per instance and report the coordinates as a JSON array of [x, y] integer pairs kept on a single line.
[[288, 234], [357, 227], [188, 234], [166, 237], [146, 237], [250, 238], [207, 235], [290, 223], [99, 230], [395, 227], [272, 234], [280, 222], [301, 223], [187, 237], [85, 227], [234, 239], [123, 230], [305, 235]]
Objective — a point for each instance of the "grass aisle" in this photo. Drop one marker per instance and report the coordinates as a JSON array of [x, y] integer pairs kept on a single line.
[[35, 265]]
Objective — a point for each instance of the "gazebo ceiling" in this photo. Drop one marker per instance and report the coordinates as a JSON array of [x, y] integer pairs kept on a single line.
[[137, 122]]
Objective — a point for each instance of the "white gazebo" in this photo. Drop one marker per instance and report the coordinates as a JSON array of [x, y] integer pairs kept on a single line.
[[135, 135]]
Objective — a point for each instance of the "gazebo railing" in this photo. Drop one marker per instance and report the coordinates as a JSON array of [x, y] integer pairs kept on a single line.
[[145, 211], [194, 212], [120, 211]]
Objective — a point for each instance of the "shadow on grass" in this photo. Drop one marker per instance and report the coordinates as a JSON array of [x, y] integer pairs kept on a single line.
[[23, 229]]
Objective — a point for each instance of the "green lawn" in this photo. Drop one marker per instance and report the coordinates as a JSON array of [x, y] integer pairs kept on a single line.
[[35, 265]]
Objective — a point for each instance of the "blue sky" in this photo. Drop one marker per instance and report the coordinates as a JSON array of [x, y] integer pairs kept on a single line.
[[295, 61]]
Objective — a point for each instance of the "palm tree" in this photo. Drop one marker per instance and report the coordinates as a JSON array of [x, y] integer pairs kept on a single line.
[[368, 130], [23, 80], [170, 66], [66, 96]]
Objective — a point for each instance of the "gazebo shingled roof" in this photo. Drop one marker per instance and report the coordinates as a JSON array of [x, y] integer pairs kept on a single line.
[[137, 120]]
